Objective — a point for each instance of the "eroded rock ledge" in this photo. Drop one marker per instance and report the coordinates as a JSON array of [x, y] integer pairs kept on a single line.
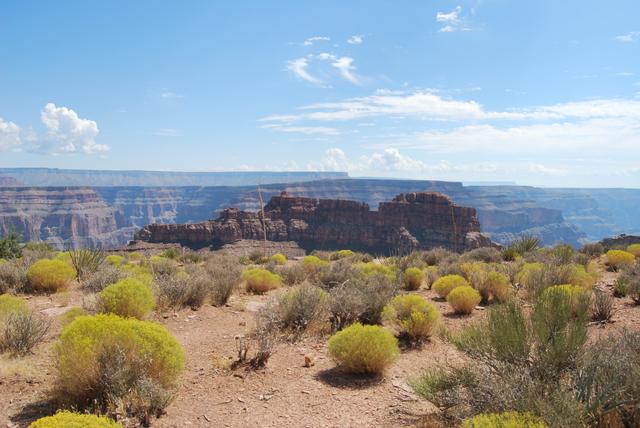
[[410, 221]]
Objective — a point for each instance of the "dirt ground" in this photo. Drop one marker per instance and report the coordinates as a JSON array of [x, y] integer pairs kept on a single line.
[[285, 394]]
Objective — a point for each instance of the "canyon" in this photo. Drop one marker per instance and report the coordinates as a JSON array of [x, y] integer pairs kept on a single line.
[[108, 216], [409, 222]]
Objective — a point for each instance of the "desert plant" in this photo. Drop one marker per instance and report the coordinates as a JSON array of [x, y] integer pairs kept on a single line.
[[128, 298], [617, 259], [413, 278], [73, 313], [67, 419], [525, 244], [22, 332], [363, 349], [337, 273], [312, 264], [464, 299], [483, 254], [105, 361], [50, 275], [509, 254], [302, 308], [10, 305], [104, 276], [261, 280], [225, 273], [621, 287], [114, 259], [161, 266], [577, 297], [13, 276], [86, 261], [593, 249], [372, 268], [411, 315], [431, 275], [341, 254], [10, 246], [278, 259], [292, 274], [435, 256], [445, 284], [602, 306], [634, 249], [171, 253], [534, 277], [504, 420], [563, 254]]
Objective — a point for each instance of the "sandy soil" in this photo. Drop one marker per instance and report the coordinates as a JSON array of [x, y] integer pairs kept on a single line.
[[285, 394]]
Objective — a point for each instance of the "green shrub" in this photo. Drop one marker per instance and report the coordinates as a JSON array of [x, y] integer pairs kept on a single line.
[[634, 249], [617, 259], [98, 280], [225, 273], [10, 246], [292, 274], [13, 276], [278, 258], [413, 278], [493, 286], [628, 283], [602, 306], [341, 254], [70, 315], [371, 268], [525, 244], [363, 349], [104, 360], [483, 254], [411, 315], [161, 266], [303, 307], [11, 305], [312, 264], [362, 298], [576, 296], [504, 420], [86, 261], [66, 419], [464, 299], [261, 280], [128, 298], [445, 284], [115, 259], [50, 275]]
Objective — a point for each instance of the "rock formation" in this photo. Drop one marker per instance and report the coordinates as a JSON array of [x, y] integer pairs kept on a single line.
[[410, 221]]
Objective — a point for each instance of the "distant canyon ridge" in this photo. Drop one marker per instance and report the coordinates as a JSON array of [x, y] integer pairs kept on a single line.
[[51, 205]]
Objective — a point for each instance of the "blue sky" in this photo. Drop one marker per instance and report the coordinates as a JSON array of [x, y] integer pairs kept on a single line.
[[540, 92]]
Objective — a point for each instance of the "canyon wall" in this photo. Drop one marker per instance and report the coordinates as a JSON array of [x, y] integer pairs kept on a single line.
[[410, 221]]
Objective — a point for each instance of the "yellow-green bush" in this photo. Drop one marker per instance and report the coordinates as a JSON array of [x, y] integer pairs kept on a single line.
[[617, 259], [577, 296], [261, 280], [493, 286], [11, 305], [68, 419], [464, 299], [341, 254], [313, 264], [578, 275], [114, 259], [504, 420], [71, 314], [363, 349], [371, 268], [278, 258], [50, 275], [445, 284], [128, 297], [634, 249], [135, 256], [91, 346], [412, 315], [431, 275], [413, 278], [529, 272]]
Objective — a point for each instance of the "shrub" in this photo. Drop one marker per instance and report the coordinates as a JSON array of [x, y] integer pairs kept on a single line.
[[50, 275], [70, 315], [435, 256], [483, 254], [12, 277], [576, 296], [261, 280], [278, 259], [445, 284], [371, 268], [621, 287], [10, 305], [413, 278], [225, 273], [634, 249], [313, 264], [171, 253], [509, 254], [602, 306], [363, 349], [341, 254], [22, 331], [431, 275], [160, 266], [338, 273], [66, 419], [293, 274], [464, 299], [128, 298], [411, 315], [593, 249], [303, 307], [185, 289], [98, 280], [504, 420], [86, 261], [105, 360], [617, 259], [115, 259], [10, 246], [494, 286], [534, 277], [525, 244]]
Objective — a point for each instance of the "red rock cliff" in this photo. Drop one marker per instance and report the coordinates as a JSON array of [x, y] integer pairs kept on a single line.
[[410, 221]]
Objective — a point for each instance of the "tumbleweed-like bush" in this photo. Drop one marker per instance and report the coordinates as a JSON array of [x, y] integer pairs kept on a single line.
[[413, 278], [411, 315], [278, 259], [364, 349], [261, 280], [312, 264], [111, 363], [128, 297], [50, 275], [445, 284], [464, 299], [634, 249], [341, 254], [66, 419], [617, 259], [302, 308]]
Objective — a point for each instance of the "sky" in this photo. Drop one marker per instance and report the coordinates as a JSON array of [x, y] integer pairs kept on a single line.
[[541, 92]]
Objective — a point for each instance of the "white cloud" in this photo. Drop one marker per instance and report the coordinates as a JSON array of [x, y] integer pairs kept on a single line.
[[170, 95], [346, 68], [451, 17], [299, 68], [68, 133], [453, 21], [167, 132], [308, 130], [9, 135], [356, 39], [311, 40], [447, 29], [630, 37], [390, 159]]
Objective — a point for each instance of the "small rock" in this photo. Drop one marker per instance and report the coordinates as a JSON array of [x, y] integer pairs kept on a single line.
[[309, 361], [242, 323]]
